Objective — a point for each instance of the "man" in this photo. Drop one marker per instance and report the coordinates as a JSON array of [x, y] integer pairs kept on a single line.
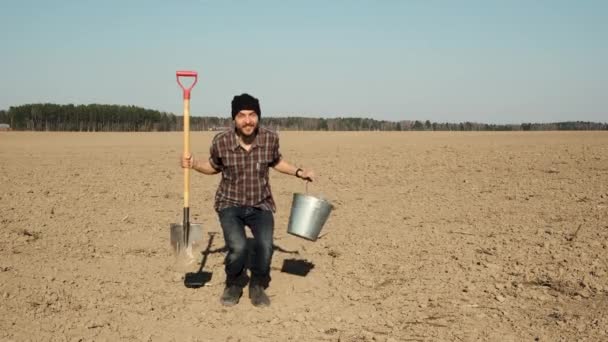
[[243, 198]]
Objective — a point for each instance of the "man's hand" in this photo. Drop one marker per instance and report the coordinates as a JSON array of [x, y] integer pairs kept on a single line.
[[203, 166], [307, 175], [187, 161]]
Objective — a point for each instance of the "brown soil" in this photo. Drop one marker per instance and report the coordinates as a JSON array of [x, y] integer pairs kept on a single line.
[[435, 237]]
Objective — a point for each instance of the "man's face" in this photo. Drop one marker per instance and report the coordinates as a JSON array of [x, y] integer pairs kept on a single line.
[[246, 121]]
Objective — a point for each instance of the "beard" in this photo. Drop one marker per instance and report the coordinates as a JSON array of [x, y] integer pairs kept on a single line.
[[247, 130]]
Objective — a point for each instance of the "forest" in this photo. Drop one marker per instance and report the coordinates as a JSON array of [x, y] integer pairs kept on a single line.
[[121, 118]]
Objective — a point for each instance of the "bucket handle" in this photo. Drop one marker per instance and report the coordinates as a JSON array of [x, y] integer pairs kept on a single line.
[[332, 206]]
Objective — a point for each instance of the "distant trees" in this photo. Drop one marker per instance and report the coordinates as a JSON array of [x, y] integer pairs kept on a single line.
[[4, 117], [85, 118], [99, 117], [330, 124]]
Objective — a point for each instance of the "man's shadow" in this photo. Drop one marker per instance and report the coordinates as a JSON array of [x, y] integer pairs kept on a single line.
[[299, 267]]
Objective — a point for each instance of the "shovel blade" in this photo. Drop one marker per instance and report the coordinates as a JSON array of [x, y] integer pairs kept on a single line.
[[186, 240]]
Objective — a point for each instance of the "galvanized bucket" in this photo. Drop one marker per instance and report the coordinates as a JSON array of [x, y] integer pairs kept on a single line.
[[308, 215]]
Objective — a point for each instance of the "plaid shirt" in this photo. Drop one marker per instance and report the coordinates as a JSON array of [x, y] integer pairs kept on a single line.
[[244, 173]]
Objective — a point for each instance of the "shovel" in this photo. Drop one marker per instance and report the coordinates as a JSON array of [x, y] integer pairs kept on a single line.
[[187, 236]]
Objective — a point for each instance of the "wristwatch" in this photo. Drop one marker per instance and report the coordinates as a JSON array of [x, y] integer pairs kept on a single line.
[[298, 170]]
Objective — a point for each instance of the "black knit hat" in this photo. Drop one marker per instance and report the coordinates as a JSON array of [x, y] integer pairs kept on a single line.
[[245, 102]]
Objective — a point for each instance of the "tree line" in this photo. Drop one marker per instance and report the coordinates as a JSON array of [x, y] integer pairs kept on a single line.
[[113, 118]]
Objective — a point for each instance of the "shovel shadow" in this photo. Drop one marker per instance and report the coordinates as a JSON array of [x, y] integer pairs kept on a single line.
[[200, 278]]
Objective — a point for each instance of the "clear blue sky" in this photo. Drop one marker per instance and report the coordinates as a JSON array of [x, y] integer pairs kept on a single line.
[[486, 61]]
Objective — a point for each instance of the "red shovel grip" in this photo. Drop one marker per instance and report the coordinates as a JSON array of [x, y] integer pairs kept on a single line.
[[185, 73]]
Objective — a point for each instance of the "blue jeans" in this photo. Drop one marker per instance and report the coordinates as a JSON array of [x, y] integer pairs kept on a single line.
[[261, 224]]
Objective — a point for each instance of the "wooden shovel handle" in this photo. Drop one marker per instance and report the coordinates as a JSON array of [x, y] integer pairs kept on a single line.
[[186, 151], [186, 91]]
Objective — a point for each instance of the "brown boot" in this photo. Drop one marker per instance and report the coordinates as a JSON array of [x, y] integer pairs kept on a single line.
[[231, 295], [234, 289], [258, 296]]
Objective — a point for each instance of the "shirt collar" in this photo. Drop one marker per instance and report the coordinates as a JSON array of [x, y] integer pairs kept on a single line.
[[257, 142]]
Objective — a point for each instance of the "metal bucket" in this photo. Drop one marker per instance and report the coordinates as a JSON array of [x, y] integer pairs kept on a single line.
[[308, 215]]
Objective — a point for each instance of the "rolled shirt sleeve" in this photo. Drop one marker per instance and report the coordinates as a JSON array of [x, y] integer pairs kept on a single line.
[[276, 154], [214, 157]]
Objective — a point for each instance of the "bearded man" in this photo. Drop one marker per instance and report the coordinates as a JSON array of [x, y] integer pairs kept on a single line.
[[243, 156]]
